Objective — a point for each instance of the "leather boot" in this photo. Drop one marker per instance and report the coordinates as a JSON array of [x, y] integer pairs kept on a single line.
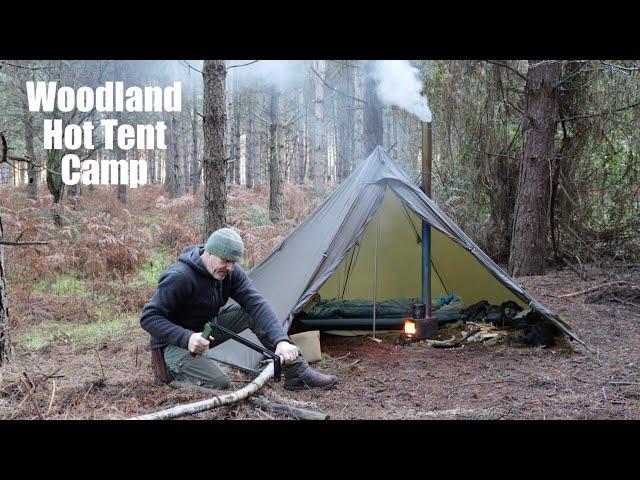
[[309, 379]]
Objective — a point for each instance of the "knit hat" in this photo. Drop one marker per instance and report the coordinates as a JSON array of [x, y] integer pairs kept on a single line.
[[226, 244]]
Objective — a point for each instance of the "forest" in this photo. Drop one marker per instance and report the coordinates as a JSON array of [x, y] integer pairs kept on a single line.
[[534, 160]]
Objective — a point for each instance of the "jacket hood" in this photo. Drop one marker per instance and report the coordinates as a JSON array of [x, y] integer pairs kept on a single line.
[[191, 256]]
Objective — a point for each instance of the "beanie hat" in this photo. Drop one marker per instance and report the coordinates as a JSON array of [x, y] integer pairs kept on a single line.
[[226, 244]]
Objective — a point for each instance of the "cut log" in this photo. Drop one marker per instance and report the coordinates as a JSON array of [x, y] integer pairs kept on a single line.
[[301, 413], [214, 402]]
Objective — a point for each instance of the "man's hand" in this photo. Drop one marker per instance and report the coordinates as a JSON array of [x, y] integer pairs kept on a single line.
[[288, 351], [197, 344]]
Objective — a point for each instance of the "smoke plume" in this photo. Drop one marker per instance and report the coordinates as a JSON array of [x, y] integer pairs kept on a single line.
[[398, 85]]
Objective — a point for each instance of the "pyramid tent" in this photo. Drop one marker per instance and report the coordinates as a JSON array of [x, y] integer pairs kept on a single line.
[[374, 217]]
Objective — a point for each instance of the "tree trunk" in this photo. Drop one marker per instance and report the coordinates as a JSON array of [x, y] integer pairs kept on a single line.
[[196, 169], [319, 154], [530, 229], [169, 180], [5, 325], [372, 115], [236, 131], [122, 188], [178, 178], [54, 179], [151, 158], [248, 170], [214, 164], [32, 171], [276, 171], [300, 139], [344, 143]]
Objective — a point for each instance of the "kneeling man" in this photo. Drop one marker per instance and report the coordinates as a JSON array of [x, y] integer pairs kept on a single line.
[[191, 292]]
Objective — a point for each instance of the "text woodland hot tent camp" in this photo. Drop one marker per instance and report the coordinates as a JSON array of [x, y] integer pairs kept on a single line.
[[364, 240]]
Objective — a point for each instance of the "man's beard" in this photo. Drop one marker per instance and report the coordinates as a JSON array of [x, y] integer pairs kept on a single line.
[[220, 274]]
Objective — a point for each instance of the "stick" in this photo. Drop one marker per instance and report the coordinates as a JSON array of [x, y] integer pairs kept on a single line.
[[300, 413], [619, 282], [214, 402], [53, 394], [104, 380]]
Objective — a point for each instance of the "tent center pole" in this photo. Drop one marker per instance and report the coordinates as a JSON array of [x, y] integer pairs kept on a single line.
[[375, 275]]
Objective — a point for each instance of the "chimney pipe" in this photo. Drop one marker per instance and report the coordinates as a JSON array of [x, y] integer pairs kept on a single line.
[[426, 228]]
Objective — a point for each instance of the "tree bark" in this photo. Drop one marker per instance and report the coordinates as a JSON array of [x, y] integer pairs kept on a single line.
[[214, 163], [276, 171], [372, 116], [530, 231], [5, 325]]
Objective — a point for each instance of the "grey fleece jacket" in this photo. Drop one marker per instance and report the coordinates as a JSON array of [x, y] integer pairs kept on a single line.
[[188, 296]]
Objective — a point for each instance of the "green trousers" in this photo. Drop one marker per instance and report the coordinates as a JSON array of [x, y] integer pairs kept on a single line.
[[204, 371]]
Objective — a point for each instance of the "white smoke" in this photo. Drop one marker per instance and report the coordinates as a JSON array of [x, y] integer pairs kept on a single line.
[[283, 74], [398, 85]]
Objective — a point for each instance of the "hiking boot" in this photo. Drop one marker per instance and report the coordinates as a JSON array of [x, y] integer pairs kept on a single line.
[[310, 378]]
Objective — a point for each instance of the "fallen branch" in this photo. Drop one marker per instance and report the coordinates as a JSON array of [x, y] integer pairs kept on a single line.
[[10, 243], [300, 413], [214, 402], [619, 282]]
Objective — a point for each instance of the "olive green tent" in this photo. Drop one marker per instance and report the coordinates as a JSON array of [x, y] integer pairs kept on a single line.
[[364, 241]]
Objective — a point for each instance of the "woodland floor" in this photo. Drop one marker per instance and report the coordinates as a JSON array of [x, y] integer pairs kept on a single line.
[[101, 370]]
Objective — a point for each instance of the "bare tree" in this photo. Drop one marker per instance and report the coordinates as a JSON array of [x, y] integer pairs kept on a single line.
[[345, 121], [276, 170], [214, 170], [319, 162], [196, 167], [5, 325], [32, 171]]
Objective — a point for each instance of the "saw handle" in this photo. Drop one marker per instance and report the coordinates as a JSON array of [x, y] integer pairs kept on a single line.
[[206, 333]]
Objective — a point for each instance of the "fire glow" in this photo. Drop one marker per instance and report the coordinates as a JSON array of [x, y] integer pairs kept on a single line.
[[409, 328]]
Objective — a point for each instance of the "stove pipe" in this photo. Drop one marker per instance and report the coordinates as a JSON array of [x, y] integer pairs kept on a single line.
[[426, 228]]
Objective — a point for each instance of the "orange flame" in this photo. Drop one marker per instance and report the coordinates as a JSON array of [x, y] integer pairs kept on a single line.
[[409, 327]]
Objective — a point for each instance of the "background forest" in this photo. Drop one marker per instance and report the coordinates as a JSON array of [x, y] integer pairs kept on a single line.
[[552, 141]]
